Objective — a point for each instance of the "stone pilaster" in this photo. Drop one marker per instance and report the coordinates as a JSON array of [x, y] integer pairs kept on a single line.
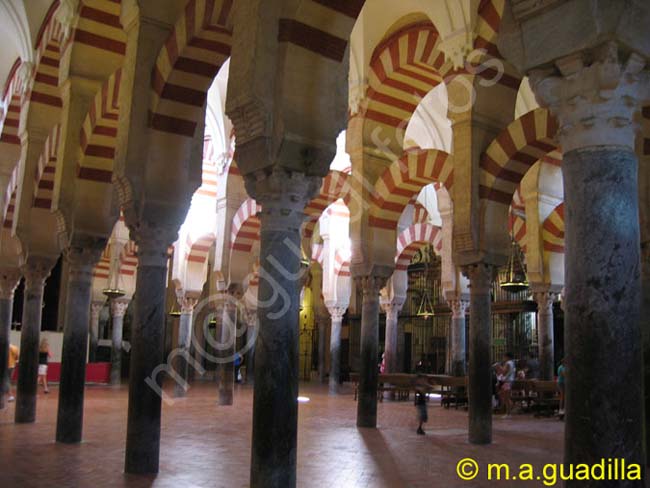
[[480, 334], [118, 310], [283, 197], [595, 96], [545, 338], [367, 397], [35, 270], [95, 310], [143, 424], [392, 309], [9, 279], [457, 336], [187, 304], [81, 258], [336, 314]]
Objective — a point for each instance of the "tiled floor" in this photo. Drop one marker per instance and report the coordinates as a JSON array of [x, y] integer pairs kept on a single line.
[[204, 445]]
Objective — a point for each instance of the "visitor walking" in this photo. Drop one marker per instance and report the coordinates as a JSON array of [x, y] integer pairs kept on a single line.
[[506, 385], [43, 357]]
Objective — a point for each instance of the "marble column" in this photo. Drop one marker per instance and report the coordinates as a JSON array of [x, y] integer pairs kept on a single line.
[[80, 261], [457, 340], [480, 344], [392, 309], [336, 313], [367, 391], [143, 423], [322, 346], [95, 309], [118, 310], [645, 312], [251, 333], [229, 346], [595, 99], [283, 197], [35, 271], [187, 304], [545, 338], [9, 279]]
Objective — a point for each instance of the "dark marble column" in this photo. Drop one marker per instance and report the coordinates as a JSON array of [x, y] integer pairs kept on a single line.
[[95, 309], [118, 310], [367, 391], [645, 324], [228, 343], [35, 271], [251, 333], [337, 314], [322, 346], [480, 345], [595, 100], [545, 340], [283, 197], [9, 279], [80, 260], [187, 304], [145, 380], [392, 310], [457, 337]]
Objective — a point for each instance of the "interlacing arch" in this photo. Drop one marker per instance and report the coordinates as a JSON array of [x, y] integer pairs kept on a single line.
[[405, 178], [420, 213], [245, 227], [513, 152], [334, 186], [553, 231], [46, 171], [414, 238], [187, 65], [403, 70], [99, 133]]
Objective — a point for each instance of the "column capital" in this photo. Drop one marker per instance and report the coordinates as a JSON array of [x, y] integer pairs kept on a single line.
[[96, 308], [545, 299], [186, 301], [371, 285], [458, 307], [153, 241], [594, 96], [9, 279], [394, 306], [480, 277], [337, 312], [82, 257], [36, 269], [119, 306], [283, 196]]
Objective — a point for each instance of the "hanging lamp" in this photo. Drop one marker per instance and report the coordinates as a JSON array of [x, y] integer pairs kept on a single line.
[[515, 279], [425, 310]]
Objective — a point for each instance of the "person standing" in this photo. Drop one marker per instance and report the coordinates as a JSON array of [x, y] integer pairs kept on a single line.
[[11, 365], [509, 373], [421, 405], [561, 380], [43, 357]]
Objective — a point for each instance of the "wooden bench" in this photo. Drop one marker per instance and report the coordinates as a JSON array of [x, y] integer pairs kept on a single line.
[[546, 398], [454, 391]]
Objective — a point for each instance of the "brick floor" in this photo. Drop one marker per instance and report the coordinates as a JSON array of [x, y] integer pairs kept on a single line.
[[204, 445]]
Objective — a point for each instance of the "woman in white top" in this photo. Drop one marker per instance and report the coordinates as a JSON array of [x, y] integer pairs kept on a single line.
[[509, 372]]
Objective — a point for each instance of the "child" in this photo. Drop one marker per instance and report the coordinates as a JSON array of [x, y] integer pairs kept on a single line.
[[421, 406]]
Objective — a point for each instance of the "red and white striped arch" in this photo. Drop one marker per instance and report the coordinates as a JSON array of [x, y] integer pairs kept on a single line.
[[99, 29], [341, 264], [517, 219], [245, 227], [420, 213], [553, 231], [209, 174], [46, 171], [513, 152], [200, 248], [317, 253], [99, 133], [45, 88], [403, 69], [12, 98], [403, 180], [413, 238], [334, 187], [102, 269], [187, 65], [9, 205]]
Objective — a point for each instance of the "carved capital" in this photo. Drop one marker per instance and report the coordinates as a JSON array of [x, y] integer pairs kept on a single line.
[[9, 279], [283, 196], [153, 242], [36, 270], [458, 308], [594, 97], [371, 285], [119, 306], [393, 307], [545, 301], [95, 309], [82, 257], [480, 277], [337, 313]]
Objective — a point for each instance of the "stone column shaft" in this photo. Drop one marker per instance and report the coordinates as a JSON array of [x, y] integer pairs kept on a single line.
[[9, 279], [335, 348], [367, 391], [457, 337], [143, 424], [322, 346], [36, 270], [69, 420], [187, 305], [95, 309], [480, 331], [545, 337], [118, 310], [229, 343]]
